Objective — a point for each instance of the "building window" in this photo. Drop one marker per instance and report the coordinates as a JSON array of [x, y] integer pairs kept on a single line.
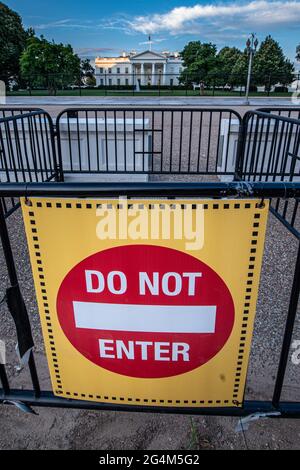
[[101, 69], [118, 82], [109, 70], [126, 70], [171, 82], [109, 81], [118, 70], [101, 81], [126, 81]]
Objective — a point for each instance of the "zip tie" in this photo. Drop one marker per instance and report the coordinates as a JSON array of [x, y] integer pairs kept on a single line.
[[261, 204], [27, 200], [21, 406], [244, 189], [244, 423]]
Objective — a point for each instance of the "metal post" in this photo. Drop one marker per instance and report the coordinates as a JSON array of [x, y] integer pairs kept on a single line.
[[249, 78], [269, 85], [251, 47], [12, 274], [133, 81], [238, 173], [4, 380], [292, 312]]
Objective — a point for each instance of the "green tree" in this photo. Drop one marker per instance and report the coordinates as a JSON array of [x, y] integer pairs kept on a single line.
[[90, 81], [87, 70], [190, 53], [87, 73], [270, 66], [201, 62], [231, 58], [298, 53], [238, 75], [12, 43], [50, 65]]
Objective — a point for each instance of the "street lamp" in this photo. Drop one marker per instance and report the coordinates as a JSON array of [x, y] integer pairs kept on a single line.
[[251, 44]]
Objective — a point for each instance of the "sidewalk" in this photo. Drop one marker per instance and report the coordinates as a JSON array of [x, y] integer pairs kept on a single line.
[[145, 101]]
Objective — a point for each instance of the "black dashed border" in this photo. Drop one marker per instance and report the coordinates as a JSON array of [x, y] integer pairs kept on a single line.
[[43, 291], [47, 315], [246, 309]]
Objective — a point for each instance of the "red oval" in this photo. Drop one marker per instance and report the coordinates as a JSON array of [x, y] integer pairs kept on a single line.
[[132, 259]]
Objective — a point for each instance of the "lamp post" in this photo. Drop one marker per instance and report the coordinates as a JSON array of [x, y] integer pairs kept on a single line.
[[251, 44]]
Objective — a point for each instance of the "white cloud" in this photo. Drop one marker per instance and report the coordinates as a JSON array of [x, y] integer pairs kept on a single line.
[[66, 23], [255, 14], [92, 51]]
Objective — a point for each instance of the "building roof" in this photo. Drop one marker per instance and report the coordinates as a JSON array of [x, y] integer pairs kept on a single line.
[[156, 54], [107, 61], [110, 61]]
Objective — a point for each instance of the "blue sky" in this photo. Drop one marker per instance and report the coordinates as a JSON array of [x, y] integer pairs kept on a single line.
[[98, 27]]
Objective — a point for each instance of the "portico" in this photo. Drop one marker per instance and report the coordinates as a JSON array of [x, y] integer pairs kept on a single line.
[[150, 73]]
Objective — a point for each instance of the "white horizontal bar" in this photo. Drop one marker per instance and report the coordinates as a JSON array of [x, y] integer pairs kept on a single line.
[[143, 318]]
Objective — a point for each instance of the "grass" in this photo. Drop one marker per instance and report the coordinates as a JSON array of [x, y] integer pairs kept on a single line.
[[197, 442], [97, 92]]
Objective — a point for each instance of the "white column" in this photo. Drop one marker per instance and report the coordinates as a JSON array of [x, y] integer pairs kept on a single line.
[[142, 73], [153, 81], [164, 74]]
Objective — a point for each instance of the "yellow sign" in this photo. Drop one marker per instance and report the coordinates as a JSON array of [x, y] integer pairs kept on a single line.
[[147, 302]]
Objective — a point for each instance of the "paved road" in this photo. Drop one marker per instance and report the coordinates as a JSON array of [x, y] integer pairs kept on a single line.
[[145, 101]]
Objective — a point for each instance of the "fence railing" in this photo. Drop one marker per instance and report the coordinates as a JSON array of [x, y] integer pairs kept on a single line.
[[27, 148], [170, 83], [155, 144], [287, 111], [8, 112], [39, 397], [271, 152], [147, 141], [259, 155]]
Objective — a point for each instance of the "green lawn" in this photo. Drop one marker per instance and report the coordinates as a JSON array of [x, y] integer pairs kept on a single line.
[[97, 92]]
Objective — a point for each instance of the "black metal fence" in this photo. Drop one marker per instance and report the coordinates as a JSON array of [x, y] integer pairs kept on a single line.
[[260, 160], [271, 152], [27, 148], [188, 141], [148, 83]]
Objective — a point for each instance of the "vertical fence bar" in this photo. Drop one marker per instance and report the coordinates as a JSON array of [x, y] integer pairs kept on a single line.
[[4, 380], [13, 278], [291, 316], [124, 140], [199, 142]]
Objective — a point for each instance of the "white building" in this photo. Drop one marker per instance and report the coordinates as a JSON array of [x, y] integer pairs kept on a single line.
[[143, 69]]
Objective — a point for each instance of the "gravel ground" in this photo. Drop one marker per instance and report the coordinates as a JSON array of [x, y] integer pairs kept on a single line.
[[76, 429]]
